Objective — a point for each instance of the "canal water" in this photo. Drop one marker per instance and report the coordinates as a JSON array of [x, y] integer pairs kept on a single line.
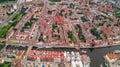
[[97, 54]]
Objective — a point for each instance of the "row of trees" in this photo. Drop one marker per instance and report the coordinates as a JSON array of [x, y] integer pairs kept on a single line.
[[3, 1], [71, 36], [80, 35], [84, 19], [95, 33], [14, 21], [4, 29], [28, 24], [55, 0]]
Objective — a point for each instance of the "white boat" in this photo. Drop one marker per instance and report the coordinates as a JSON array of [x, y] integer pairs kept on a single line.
[[65, 54], [117, 51], [101, 65], [73, 64], [77, 54], [80, 63], [83, 51], [72, 53]]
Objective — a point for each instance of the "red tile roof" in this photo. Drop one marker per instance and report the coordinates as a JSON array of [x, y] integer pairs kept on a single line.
[[59, 19], [45, 55], [107, 30], [112, 56], [110, 9], [85, 12], [112, 22], [101, 8]]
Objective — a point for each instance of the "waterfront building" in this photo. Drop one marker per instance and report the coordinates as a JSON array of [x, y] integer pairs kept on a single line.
[[111, 60], [85, 61]]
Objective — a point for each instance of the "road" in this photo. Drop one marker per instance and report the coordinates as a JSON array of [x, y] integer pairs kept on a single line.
[[24, 60]]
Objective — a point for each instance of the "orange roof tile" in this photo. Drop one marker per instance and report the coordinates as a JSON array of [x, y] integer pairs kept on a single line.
[[101, 8], [112, 56], [59, 19], [85, 12], [112, 22], [0, 60], [106, 30], [110, 9]]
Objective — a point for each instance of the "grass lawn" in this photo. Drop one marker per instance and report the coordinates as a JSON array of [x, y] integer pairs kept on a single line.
[[5, 64], [17, 17], [15, 20], [71, 36], [4, 30]]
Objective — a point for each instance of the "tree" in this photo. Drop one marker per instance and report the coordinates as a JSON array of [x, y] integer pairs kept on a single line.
[[14, 29], [84, 19], [116, 13], [71, 36], [95, 33], [72, 5], [49, 11], [55, 0], [80, 35]]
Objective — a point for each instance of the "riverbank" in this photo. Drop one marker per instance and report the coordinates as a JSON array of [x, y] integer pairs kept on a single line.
[[102, 46], [99, 46], [96, 54], [76, 46]]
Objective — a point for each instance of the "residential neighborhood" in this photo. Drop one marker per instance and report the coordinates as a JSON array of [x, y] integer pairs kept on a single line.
[[67, 24], [59, 33]]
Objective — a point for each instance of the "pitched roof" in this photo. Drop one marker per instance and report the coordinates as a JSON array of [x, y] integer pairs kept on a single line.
[[59, 19], [107, 30], [112, 56]]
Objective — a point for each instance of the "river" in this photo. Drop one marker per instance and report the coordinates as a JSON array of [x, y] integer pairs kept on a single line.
[[97, 54]]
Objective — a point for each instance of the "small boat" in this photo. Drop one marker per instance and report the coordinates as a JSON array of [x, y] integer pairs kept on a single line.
[[117, 51], [83, 51], [101, 65], [43, 65]]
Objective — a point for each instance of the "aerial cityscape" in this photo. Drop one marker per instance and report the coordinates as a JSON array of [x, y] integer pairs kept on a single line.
[[59, 33]]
